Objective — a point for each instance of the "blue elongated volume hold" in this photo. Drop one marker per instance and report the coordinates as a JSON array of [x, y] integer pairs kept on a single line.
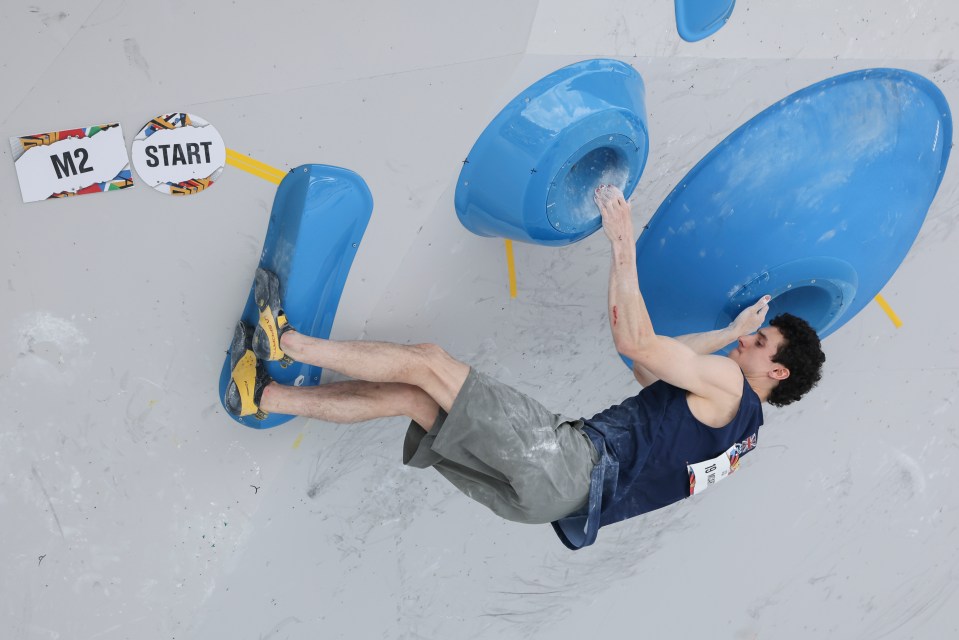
[[319, 216], [698, 19], [815, 201], [531, 174]]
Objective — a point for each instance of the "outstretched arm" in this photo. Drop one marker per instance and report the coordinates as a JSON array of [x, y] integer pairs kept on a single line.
[[628, 317], [748, 321], [665, 358]]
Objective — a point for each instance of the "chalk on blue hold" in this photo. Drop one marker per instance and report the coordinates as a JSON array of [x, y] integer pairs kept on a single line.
[[319, 216], [698, 19], [815, 201], [531, 174]]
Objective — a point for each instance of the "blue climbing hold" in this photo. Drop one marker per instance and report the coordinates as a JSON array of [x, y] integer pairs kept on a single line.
[[319, 216], [698, 19], [815, 201], [531, 174]]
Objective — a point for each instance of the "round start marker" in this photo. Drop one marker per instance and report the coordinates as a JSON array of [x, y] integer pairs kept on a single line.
[[179, 153]]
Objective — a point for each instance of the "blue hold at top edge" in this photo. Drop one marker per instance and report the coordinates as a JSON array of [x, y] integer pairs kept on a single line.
[[319, 216], [530, 175], [699, 19]]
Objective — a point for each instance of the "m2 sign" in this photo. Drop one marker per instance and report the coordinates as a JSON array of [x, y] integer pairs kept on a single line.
[[71, 162]]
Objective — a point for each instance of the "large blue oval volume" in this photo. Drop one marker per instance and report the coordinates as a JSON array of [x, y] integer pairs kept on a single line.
[[815, 201]]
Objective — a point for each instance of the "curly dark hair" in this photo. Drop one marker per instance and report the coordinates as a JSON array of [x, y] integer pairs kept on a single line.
[[802, 354]]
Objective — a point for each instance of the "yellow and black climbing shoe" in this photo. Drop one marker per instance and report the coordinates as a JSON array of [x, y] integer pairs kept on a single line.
[[273, 324], [248, 376]]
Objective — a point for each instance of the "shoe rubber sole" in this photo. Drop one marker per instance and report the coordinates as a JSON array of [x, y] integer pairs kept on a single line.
[[246, 376], [272, 324]]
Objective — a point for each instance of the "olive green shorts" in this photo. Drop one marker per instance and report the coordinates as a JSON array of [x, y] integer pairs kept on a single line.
[[507, 451]]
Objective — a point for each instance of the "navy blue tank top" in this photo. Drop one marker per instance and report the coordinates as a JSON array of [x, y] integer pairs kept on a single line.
[[645, 444]]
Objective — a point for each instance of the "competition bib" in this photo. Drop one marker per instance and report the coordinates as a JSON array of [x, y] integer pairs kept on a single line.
[[703, 475]]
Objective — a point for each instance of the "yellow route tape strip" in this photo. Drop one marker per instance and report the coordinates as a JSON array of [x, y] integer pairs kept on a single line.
[[269, 177], [255, 167], [889, 312], [255, 163], [511, 268]]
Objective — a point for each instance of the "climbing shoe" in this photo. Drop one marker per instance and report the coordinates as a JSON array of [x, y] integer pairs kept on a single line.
[[273, 324], [248, 376]]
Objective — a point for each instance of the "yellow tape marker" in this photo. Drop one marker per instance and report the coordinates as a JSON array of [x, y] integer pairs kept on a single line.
[[889, 312], [252, 170], [269, 176], [298, 441], [256, 163], [511, 268], [255, 167], [248, 162]]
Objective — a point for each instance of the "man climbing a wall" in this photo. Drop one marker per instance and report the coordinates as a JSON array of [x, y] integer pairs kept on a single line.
[[687, 429]]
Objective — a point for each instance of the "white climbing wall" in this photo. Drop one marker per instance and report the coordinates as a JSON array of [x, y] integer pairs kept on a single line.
[[131, 507]]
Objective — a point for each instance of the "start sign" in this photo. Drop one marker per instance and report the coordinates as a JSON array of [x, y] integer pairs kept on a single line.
[[179, 154]]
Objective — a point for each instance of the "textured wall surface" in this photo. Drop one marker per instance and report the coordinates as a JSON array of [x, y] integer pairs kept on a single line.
[[131, 507]]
